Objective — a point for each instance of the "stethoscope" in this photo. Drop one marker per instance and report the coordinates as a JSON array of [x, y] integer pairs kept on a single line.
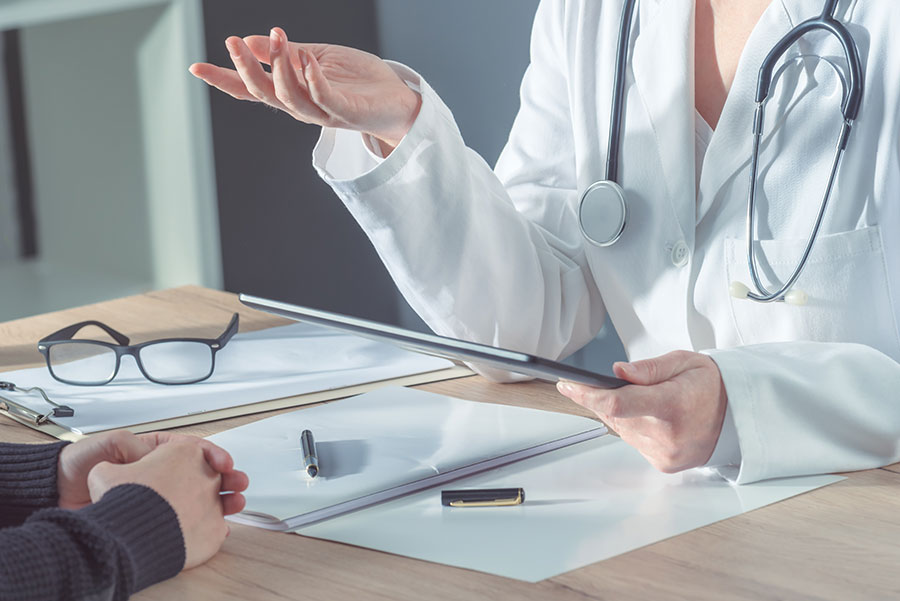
[[603, 212]]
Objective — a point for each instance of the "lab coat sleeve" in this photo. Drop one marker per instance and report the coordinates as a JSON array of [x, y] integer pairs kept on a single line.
[[492, 256], [810, 408]]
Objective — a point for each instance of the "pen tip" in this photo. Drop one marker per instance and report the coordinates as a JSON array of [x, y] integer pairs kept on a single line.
[[312, 471]]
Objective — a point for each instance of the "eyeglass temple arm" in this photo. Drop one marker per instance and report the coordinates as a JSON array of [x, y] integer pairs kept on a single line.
[[69, 332], [230, 331]]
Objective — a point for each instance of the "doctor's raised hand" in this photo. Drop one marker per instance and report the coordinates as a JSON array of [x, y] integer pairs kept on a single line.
[[672, 413], [321, 84]]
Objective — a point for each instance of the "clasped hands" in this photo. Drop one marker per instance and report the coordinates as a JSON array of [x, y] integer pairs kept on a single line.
[[672, 412], [196, 477]]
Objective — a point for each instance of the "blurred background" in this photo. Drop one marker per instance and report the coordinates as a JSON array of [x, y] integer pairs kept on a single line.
[[121, 173]]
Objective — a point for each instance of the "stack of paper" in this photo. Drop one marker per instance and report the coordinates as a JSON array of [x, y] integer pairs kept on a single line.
[[382, 445], [584, 502], [254, 367]]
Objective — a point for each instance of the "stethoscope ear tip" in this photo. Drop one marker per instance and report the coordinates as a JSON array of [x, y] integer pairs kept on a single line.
[[796, 297], [738, 290], [791, 297]]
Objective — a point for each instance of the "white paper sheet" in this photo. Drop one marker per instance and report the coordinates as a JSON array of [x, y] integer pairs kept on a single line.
[[381, 440], [256, 366], [583, 504]]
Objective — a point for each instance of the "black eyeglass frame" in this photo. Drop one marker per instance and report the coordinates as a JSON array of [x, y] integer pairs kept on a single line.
[[65, 336]]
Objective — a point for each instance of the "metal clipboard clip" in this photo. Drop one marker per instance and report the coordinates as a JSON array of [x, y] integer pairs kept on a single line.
[[22, 412]]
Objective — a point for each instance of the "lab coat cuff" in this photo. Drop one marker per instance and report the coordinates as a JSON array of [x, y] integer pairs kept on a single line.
[[342, 159], [727, 453], [742, 404]]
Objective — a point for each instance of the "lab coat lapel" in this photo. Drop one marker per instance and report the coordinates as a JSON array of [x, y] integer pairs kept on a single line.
[[728, 155], [662, 63]]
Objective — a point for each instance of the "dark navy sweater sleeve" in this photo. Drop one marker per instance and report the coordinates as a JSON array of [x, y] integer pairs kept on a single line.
[[27, 480], [127, 541]]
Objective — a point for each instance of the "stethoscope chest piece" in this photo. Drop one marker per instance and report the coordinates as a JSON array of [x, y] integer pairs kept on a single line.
[[602, 213]]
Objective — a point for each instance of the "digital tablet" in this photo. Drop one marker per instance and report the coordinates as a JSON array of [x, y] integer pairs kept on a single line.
[[430, 344]]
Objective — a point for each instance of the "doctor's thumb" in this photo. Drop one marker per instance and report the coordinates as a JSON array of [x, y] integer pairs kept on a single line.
[[650, 371]]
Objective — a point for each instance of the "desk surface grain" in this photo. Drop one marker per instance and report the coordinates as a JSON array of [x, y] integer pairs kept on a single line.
[[839, 542]]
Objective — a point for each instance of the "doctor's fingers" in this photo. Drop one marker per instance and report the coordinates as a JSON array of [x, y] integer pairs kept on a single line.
[[259, 46], [625, 402], [289, 89], [225, 80], [659, 369], [257, 81]]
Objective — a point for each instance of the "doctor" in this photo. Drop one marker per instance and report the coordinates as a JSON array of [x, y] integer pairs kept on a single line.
[[754, 389]]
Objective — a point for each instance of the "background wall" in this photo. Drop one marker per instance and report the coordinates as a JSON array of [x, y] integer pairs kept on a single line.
[[113, 168], [70, 145], [9, 219], [472, 52]]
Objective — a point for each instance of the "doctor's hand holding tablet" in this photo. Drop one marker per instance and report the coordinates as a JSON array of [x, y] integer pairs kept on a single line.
[[766, 253]]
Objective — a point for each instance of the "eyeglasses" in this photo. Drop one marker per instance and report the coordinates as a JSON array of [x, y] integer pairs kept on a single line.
[[165, 361]]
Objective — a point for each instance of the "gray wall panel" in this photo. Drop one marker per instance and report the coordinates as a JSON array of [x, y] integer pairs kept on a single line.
[[472, 52], [284, 233]]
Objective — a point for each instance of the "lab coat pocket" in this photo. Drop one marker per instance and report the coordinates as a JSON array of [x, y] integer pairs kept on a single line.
[[845, 279]]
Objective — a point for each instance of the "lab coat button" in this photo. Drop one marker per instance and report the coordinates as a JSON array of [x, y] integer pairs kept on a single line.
[[680, 254]]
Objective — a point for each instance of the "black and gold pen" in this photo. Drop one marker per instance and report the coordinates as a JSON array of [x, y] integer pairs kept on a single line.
[[485, 497]]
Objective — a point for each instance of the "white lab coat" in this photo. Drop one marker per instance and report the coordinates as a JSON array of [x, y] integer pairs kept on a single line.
[[496, 256]]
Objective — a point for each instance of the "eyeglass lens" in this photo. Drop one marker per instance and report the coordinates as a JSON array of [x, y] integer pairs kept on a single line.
[[82, 362], [176, 362]]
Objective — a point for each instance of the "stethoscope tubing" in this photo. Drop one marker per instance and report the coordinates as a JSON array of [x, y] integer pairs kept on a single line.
[[853, 89], [611, 189], [852, 98], [763, 295], [616, 119]]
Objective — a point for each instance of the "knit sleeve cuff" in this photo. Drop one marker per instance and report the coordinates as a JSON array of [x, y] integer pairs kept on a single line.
[[146, 528], [28, 478]]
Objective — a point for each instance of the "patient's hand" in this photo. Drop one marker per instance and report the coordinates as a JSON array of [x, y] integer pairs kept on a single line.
[[180, 471], [78, 459]]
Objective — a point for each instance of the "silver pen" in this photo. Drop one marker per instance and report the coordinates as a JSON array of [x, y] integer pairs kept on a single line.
[[310, 458]]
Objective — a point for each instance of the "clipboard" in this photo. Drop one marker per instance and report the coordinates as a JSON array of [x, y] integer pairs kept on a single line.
[[57, 429], [96, 408]]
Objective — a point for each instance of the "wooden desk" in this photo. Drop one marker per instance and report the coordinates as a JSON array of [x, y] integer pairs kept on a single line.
[[839, 542]]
